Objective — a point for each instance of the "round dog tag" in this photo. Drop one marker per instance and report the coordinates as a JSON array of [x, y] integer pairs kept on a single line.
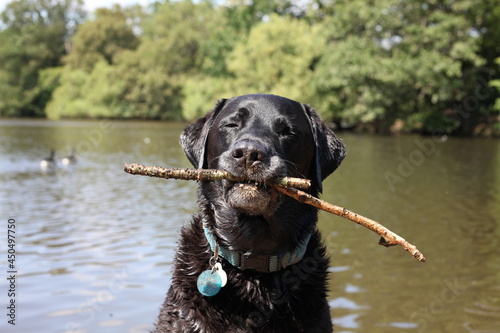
[[209, 283], [222, 273]]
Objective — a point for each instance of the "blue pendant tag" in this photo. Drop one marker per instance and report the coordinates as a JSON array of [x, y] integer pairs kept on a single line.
[[209, 283]]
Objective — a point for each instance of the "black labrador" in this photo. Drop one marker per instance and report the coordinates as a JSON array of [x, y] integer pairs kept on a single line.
[[264, 244]]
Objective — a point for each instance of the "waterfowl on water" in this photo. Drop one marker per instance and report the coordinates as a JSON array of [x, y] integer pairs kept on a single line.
[[49, 162], [70, 159]]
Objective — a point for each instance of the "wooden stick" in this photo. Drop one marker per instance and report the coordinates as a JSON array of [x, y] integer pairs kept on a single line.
[[388, 238], [206, 174], [287, 186]]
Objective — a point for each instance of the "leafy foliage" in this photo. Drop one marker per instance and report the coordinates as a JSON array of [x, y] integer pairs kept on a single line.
[[401, 60], [278, 57], [429, 65], [101, 39], [33, 38]]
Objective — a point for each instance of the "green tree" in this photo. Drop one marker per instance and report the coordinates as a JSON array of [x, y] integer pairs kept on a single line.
[[490, 39], [413, 60], [236, 18], [33, 38], [242, 15], [83, 95], [145, 82], [90, 84], [101, 39], [278, 56], [171, 50], [200, 92]]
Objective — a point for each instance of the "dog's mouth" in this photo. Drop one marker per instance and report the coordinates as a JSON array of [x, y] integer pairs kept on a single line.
[[252, 198]]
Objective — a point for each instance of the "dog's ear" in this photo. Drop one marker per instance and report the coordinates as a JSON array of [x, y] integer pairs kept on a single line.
[[193, 139], [330, 150]]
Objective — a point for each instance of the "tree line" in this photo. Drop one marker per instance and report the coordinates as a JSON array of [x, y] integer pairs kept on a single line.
[[425, 66]]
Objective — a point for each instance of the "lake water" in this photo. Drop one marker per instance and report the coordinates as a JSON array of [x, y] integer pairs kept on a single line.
[[94, 245]]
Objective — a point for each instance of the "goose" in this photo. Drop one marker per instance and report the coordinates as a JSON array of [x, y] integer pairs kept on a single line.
[[70, 159], [49, 162]]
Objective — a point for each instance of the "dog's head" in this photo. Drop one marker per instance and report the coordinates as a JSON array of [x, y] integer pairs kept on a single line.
[[261, 137]]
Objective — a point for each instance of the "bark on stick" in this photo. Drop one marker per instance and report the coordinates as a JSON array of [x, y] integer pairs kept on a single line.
[[207, 174], [388, 238], [287, 186]]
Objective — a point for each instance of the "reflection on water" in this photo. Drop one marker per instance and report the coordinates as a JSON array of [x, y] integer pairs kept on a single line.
[[449, 206], [95, 245]]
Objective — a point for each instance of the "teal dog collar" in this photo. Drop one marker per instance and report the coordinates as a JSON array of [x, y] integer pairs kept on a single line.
[[259, 263]]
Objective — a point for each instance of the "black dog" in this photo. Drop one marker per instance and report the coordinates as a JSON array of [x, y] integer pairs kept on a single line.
[[265, 242]]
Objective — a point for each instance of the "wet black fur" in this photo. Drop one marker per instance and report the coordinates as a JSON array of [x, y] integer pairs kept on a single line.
[[292, 299]]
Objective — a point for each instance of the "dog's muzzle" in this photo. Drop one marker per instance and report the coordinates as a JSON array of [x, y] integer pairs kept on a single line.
[[252, 160]]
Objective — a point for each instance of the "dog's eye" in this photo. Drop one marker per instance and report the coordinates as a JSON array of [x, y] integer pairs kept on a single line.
[[230, 125], [286, 131], [284, 128]]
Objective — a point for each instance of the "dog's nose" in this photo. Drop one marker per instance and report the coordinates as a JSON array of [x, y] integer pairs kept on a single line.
[[249, 153]]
